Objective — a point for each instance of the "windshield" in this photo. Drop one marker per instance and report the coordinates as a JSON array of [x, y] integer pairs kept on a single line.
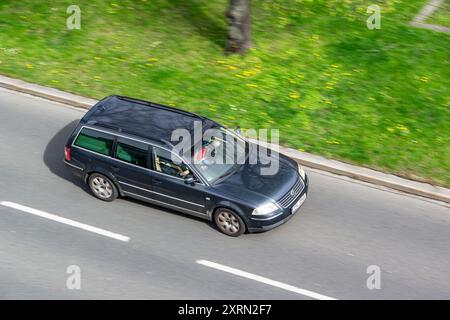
[[220, 154]]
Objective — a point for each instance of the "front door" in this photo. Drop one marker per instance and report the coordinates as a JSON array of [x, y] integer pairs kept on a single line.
[[169, 184]]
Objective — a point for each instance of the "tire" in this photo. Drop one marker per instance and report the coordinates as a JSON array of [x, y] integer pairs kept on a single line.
[[229, 222], [102, 187]]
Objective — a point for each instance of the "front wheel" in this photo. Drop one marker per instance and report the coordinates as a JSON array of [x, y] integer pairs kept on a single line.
[[229, 222], [102, 187]]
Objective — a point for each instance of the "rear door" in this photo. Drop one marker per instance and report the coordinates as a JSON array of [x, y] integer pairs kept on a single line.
[[131, 167], [169, 184]]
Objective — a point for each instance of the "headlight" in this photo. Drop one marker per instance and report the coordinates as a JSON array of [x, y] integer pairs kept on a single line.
[[301, 172], [265, 209]]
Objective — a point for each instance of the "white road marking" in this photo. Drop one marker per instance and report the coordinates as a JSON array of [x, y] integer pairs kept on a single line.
[[265, 280], [65, 221]]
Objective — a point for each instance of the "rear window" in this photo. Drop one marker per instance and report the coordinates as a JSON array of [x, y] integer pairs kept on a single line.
[[95, 141], [132, 151]]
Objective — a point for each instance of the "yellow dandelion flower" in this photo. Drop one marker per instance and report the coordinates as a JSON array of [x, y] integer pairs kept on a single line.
[[220, 62], [294, 96], [401, 127], [252, 85], [29, 66]]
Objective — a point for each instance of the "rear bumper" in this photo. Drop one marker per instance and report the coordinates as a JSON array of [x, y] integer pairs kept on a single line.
[[254, 225], [76, 170]]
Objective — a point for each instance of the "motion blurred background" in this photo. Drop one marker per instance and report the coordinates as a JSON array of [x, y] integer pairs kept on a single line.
[[378, 98]]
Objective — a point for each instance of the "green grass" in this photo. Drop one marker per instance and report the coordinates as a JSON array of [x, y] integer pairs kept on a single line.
[[441, 16], [378, 98]]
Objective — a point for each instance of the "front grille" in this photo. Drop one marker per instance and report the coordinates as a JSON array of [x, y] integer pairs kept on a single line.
[[292, 195]]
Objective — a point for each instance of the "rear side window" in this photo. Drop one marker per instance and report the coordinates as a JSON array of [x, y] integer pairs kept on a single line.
[[132, 151], [95, 141]]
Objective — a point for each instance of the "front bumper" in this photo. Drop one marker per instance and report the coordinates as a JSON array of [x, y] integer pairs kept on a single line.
[[254, 225]]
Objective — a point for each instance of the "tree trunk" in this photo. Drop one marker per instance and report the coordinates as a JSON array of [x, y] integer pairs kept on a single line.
[[238, 17]]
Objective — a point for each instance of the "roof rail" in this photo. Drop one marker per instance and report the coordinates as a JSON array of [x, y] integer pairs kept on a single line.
[[159, 106], [168, 143], [108, 126]]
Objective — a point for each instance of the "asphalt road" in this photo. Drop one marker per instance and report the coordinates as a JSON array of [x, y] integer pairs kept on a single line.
[[343, 227]]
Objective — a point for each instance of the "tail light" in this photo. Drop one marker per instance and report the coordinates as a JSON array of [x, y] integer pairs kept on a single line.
[[67, 154]]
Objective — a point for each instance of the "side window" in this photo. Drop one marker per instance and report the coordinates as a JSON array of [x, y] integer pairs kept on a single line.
[[162, 162], [132, 151], [95, 141]]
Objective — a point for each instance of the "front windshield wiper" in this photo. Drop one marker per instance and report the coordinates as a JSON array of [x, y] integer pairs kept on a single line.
[[228, 173]]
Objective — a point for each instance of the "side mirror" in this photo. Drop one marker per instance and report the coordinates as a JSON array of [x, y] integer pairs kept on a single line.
[[190, 181], [238, 130]]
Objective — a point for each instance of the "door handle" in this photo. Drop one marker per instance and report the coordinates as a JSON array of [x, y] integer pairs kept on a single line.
[[115, 168], [157, 181]]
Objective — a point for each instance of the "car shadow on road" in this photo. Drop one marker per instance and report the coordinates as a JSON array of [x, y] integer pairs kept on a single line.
[[53, 159], [54, 155]]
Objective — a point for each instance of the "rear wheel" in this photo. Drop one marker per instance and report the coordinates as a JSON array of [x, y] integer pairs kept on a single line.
[[102, 187], [229, 222]]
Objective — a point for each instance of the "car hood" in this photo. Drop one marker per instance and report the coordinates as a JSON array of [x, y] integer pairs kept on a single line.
[[248, 183]]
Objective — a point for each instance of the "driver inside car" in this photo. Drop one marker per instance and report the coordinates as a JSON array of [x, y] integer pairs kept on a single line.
[[170, 168]]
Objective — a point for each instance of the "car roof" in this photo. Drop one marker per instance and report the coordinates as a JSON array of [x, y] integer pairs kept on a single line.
[[144, 119]]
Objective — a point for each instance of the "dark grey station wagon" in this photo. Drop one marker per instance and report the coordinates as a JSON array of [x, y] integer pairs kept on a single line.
[[124, 147]]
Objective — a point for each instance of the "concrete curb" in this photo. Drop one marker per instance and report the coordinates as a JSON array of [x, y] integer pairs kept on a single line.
[[425, 12], [306, 159], [46, 92]]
